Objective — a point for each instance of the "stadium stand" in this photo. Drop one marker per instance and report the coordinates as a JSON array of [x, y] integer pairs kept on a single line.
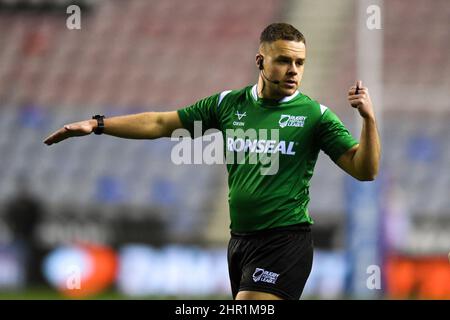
[[135, 56], [134, 45], [139, 55], [51, 75]]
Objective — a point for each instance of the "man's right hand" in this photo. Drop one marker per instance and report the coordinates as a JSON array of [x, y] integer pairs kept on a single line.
[[75, 129]]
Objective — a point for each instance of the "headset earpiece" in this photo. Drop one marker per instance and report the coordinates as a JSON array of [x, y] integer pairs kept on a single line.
[[261, 67]]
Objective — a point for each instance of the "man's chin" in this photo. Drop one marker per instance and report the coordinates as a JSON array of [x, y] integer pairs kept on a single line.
[[288, 91]]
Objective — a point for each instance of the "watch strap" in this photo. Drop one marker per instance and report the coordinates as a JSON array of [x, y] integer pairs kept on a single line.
[[100, 124]]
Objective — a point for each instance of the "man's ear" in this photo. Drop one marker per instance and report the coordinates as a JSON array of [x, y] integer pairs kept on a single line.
[[260, 61]]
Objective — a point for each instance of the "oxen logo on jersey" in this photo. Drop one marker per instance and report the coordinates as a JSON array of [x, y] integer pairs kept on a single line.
[[287, 120], [240, 115]]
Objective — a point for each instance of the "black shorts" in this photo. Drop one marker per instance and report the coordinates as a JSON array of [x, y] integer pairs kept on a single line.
[[276, 261]]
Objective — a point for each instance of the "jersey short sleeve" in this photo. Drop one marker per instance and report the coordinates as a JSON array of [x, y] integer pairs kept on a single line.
[[205, 110], [334, 137]]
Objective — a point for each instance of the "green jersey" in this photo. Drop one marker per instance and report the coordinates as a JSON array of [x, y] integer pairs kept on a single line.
[[271, 149]]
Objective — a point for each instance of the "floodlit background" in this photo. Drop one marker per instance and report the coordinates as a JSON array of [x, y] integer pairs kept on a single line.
[[102, 217]]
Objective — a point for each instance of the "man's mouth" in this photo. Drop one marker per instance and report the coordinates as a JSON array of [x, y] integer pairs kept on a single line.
[[291, 83]]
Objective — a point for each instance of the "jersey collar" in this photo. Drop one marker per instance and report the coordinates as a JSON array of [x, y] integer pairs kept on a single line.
[[285, 99]]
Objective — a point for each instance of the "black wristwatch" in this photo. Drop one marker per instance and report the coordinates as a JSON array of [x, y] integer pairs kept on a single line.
[[100, 124]]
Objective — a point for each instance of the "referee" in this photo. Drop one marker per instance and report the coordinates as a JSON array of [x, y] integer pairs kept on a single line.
[[270, 251]]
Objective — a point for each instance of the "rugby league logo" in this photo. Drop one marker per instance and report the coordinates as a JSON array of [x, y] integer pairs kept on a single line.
[[287, 120]]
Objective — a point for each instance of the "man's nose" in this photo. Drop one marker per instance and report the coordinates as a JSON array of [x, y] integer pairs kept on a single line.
[[293, 69]]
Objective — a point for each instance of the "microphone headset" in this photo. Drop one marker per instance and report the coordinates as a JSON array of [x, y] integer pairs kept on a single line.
[[261, 67]]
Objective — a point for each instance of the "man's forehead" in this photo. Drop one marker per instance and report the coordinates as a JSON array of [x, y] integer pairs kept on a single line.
[[285, 48]]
